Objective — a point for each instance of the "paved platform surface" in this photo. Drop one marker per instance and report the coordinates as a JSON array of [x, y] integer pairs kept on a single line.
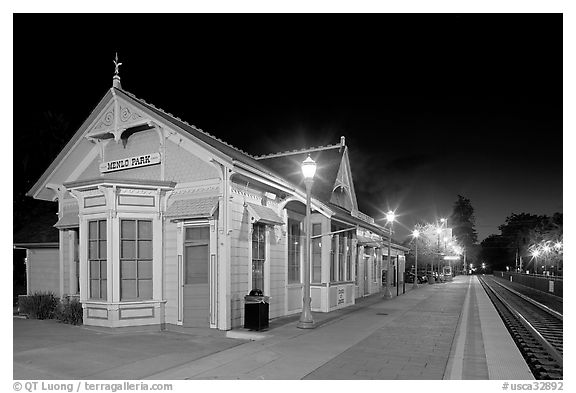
[[441, 331]]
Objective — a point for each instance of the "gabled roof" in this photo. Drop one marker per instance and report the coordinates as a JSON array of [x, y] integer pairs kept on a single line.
[[328, 162], [209, 139], [212, 141], [285, 169]]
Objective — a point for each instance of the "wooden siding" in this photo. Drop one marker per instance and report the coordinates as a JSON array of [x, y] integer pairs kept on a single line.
[[183, 166], [65, 250], [171, 272], [44, 270], [239, 263], [278, 265]]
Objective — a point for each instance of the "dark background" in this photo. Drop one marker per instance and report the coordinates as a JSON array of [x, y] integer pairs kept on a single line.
[[432, 106]]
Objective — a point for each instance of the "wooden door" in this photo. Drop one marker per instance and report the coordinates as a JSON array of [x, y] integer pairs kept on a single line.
[[196, 290]]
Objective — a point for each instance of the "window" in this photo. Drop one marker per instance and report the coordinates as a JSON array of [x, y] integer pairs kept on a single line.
[[97, 251], [341, 260], [356, 264], [316, 253], [348, 258], [375, 267], [135, 259], [76, 256], [196, 250], [333, 260], [294, 244], [258, 256]]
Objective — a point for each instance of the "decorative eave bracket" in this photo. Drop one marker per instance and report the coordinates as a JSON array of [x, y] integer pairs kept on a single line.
[[118, 117]]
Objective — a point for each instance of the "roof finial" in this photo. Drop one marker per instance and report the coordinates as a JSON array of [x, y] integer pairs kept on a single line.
[[116, 79]]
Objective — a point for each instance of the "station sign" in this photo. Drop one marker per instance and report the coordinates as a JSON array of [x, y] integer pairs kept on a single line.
[[130, 162]]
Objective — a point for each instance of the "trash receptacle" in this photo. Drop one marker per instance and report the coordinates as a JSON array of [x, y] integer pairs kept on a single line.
[[256, 308]]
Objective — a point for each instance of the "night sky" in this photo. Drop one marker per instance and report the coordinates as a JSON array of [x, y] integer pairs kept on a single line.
[[431, 106]]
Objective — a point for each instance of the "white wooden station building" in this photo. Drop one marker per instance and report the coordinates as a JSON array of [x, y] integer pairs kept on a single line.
[[161, 223]]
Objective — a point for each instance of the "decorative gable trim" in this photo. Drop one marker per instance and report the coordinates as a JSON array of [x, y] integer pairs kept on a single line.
[[344, 181], [118, 116]]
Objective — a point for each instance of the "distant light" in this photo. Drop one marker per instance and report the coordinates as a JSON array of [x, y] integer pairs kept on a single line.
[[438, 230], [416, 233], [546, 248], [535, 253], [558, 245], [451, 258], [442, 220], [390, 216]]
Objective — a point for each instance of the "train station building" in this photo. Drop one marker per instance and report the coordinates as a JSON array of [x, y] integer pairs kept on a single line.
[[162, 223]]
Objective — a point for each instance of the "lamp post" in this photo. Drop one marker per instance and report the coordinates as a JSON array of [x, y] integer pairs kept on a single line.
[[535, 254], [438, 232], [444, 222], [306, 321], [390, 218], [415, 234], [546, 250]]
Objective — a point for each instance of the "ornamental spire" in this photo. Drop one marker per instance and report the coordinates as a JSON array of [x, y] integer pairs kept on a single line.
[[116, 79]]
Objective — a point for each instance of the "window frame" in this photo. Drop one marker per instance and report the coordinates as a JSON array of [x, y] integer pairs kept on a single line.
[[102, 282], [295, 251], [316, 253], [136, 258], [259, 228]]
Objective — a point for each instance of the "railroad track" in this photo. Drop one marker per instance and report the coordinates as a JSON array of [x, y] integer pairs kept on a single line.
[[536, 329]]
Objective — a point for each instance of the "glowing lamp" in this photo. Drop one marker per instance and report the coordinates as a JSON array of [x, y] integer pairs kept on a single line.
[[308, 168], [390, 216]]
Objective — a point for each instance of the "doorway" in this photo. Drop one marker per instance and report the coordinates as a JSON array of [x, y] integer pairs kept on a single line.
[[366, 278], [196, 277]]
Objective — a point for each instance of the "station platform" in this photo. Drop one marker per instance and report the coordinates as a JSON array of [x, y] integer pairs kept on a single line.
[[442, 331]]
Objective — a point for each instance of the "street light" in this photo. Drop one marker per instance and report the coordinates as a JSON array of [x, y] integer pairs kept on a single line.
[[535, 254], [546, 250], [416, 235], [390, 216], [438, 232], [306, 321]]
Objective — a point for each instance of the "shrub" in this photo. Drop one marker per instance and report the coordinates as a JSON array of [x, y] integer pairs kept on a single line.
[[70, 311], [40, 305]]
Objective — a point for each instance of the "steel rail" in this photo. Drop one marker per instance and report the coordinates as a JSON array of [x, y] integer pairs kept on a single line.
[[545, 343], [532, 301]]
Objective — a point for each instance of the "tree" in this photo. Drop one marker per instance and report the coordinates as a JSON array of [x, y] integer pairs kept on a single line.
[[462, 221], [494, 252], [427, 248], [520, 235]]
